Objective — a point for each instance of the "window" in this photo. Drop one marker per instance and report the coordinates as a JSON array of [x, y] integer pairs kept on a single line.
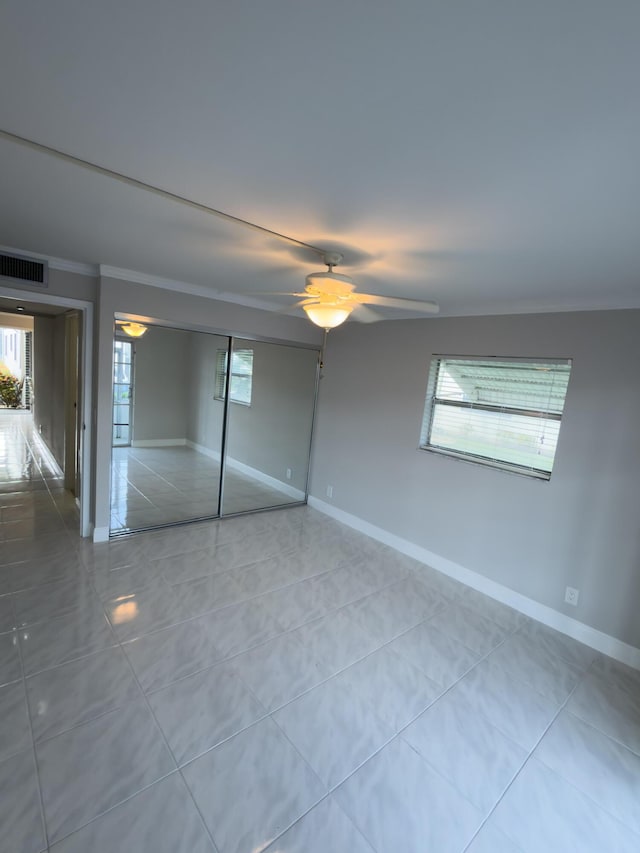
[[241, 375], [503, 412]]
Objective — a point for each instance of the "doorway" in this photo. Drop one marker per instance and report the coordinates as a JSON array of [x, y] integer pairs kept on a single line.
[[59, 395]]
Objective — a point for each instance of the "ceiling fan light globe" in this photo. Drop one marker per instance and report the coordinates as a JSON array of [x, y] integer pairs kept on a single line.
[[327, 316], [134, 330]]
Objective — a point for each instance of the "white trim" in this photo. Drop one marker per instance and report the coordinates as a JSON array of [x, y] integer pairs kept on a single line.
[[121, 274], [100, 534], [206, 451], [158, 442], [261, 477], [604, 643], [54, 263]]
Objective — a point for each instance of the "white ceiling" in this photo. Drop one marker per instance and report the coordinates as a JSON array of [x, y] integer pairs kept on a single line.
[[481, 154]]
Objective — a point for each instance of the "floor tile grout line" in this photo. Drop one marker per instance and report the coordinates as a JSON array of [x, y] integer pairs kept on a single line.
[[34, 754], [45, 828], [345, 565], [81, 656], [609, 736], [253, 598], [259, 595], [270, 639], [143, 697], [111, 808], [168, 746], [531, 754], [162, 735], [295, 628], [398, 733], [571, 663], [156, 473], [587, 673], [634, 830], [92, 653], [226, 661], [515, 631]]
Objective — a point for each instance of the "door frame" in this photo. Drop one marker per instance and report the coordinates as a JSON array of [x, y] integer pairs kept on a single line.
[[86, 310]]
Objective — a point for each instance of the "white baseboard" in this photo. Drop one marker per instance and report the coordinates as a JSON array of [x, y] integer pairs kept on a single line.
[[100, 534], [254, 473], [206, 451], [598, 640], [159, 442], [261, 477]]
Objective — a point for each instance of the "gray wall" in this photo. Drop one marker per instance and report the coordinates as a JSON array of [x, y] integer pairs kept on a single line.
[[161, 392], [48, 382], [206, 414], [579, 529]]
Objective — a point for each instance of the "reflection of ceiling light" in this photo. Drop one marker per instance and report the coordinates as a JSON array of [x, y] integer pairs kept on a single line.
[[328, 315], [19, 307], [126, 611], [134, 330]]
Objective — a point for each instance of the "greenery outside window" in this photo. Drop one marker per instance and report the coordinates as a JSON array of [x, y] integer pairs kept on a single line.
[[502, 412], [241, 375]]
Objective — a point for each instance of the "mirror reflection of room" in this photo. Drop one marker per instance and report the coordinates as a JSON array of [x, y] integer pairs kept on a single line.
[[169, 411], [269, 426], [158, 474]]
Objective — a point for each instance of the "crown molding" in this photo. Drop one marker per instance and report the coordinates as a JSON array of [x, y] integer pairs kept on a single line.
[[107, 271], [74, 266], [55, 263]]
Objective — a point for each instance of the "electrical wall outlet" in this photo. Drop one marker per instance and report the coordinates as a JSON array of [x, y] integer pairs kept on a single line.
[[329, 491], [288, 473], [571, 596]]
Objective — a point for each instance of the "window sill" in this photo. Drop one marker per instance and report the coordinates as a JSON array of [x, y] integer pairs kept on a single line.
[[506, 467]]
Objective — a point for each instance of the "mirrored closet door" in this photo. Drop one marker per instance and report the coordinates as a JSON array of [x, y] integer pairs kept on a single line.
[[179, 444], [269, 425], [168, 470]]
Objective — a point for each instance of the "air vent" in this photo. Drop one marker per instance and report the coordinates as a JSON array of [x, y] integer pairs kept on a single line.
[[25, 269]]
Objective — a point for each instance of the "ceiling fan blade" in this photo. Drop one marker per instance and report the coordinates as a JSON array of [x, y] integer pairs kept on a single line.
[[420, 306], [362, 314]]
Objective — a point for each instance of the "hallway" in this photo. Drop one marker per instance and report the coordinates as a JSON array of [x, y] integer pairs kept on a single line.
[[281, 683], [33, 500]]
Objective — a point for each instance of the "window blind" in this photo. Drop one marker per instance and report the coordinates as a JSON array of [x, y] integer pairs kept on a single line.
[[241, 375], [503, 412]]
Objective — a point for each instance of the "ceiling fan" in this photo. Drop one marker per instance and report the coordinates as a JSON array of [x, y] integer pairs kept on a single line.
[[329, 298]]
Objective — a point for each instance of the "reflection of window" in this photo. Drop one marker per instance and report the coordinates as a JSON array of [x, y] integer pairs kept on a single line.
[[241, 375], [500, 412]]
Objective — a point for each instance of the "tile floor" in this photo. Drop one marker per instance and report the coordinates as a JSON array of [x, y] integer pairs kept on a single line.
[[278, 682], [151, 486]]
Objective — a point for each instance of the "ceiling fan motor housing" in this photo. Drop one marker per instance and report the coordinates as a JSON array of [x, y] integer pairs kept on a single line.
[[329, 283]]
